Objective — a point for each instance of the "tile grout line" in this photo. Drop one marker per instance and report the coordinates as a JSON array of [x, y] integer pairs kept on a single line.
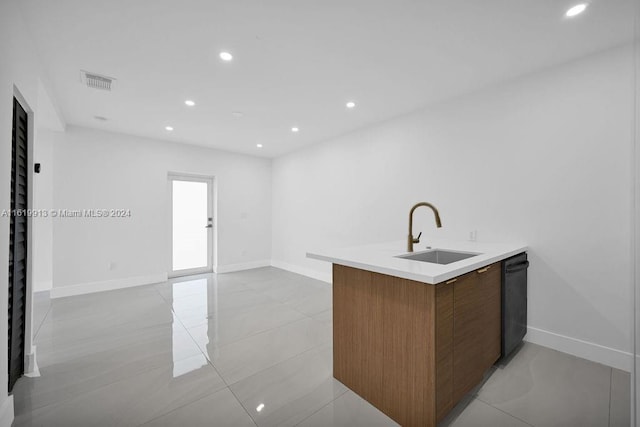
[[322, 407], [209, 362], [275, 364], [90, 316], [504, 412], [310, 316], [314, 348], [91, 338], [248, 336], [186, 404], [282, 361], [242, 406], [35, 334], [285, 302], [239, 339], [228, 385]]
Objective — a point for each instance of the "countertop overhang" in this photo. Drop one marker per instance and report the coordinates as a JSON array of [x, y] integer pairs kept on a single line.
[[382, 258]]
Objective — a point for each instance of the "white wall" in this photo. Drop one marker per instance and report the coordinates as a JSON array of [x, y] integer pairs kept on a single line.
[[544, 160], [42, 227], [22, 74], [96, 170]]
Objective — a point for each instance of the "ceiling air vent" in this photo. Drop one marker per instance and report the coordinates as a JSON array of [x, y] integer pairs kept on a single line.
[[96, 81]]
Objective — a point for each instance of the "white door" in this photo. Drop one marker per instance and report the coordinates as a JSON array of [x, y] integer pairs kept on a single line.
[[191, 225]]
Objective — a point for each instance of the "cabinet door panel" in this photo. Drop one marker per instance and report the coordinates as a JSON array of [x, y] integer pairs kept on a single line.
[[489, 285], [468, 363]]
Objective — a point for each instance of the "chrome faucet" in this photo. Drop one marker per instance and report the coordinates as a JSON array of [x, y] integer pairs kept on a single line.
[[410, 240]]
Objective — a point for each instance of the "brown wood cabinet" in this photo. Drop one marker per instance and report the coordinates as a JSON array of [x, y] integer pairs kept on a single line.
[[476, 328], [411, 349], [468, 339]]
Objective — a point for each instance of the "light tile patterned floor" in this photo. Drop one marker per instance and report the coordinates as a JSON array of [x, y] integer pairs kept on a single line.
[[254, 348]]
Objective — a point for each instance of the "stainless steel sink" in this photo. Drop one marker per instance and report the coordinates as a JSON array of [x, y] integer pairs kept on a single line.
[[438, 256]]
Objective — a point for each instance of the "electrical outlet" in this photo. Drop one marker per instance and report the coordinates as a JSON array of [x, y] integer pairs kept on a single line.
[[111, 265], [473, 235]]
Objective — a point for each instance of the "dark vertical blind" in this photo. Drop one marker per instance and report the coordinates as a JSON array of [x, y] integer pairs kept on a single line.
[[18, 244]]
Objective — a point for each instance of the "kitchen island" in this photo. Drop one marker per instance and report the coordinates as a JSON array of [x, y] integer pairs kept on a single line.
[[413, 337]]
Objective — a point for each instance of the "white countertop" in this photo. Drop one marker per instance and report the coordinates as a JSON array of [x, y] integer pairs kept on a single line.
[[381, 258]]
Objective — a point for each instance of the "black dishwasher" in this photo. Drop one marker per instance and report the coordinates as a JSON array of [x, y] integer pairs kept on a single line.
[[514, 302]]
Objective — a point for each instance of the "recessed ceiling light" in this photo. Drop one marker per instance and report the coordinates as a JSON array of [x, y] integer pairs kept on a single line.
[[190, 103], [260, 407], [169, 128], [351, 104], [259, 145], [294, 129], [226, 56], [576, 10]]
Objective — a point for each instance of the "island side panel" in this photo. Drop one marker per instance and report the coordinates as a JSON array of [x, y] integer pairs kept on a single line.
[[408, 353], [444, 350], [384, 342], [357, 337]]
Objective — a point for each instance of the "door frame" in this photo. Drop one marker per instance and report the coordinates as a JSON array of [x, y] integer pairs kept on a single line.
[[30, 364], [213, 232]]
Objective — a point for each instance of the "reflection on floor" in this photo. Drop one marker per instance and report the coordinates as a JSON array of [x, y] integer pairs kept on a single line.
[[254, 348]]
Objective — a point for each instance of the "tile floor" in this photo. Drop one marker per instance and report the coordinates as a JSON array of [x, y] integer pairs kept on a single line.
[[254, 348]]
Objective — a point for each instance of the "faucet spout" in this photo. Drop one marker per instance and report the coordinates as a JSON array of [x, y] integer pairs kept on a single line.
[[411, 240]]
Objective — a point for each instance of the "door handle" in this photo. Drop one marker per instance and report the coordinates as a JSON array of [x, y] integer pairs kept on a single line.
[[208, 226]]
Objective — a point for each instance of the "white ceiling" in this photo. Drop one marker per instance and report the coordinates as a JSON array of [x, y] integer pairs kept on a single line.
[[296, 62]]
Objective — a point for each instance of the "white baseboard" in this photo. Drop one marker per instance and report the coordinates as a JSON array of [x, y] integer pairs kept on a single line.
[[107, 285], [241, 266], [31, 369], [6, 412], [587, 350], [325, 277]]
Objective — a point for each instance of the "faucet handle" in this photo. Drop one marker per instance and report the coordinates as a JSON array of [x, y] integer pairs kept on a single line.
[[417, 239]]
